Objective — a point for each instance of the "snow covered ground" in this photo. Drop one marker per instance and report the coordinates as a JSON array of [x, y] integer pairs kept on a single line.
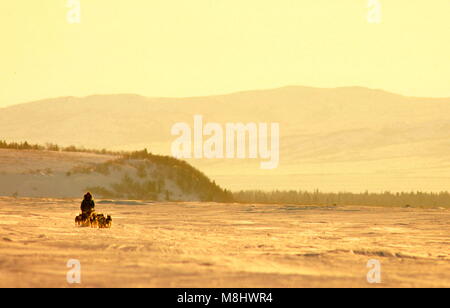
[[222, 245]]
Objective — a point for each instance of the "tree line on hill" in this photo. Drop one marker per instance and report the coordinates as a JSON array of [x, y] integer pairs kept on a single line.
[[51, 147], [189, 179]]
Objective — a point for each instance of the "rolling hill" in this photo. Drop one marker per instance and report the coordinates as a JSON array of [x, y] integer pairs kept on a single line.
[[135, 176], [333, 139]]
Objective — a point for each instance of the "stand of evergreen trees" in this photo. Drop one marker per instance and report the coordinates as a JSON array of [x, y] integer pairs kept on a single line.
[[20, 146], [51, 147], [404, 199]]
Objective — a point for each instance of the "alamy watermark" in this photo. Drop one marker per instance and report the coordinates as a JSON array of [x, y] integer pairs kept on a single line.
[[374, 16], [74, 11], [374, 274], [74, 274], [230, 141]]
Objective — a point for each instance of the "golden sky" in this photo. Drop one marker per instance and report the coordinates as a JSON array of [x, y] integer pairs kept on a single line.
[[202, 47]]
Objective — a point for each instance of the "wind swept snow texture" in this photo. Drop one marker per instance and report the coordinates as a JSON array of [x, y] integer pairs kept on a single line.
[[222, 245]]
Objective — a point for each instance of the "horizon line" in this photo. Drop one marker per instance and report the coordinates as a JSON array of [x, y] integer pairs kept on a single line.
[[223, 94]]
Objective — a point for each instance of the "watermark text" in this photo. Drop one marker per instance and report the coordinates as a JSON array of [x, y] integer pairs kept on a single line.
[[230, 141]]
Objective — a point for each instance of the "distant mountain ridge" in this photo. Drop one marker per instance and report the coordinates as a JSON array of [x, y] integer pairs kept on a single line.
[[349, 138]]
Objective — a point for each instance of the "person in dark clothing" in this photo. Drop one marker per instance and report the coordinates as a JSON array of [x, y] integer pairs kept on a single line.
[[88, 204]]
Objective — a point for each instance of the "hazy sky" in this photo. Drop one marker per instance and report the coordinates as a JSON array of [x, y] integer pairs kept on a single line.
[[203, 47]]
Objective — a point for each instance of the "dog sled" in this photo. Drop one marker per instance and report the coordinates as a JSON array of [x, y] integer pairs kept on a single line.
[[93, 220]]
